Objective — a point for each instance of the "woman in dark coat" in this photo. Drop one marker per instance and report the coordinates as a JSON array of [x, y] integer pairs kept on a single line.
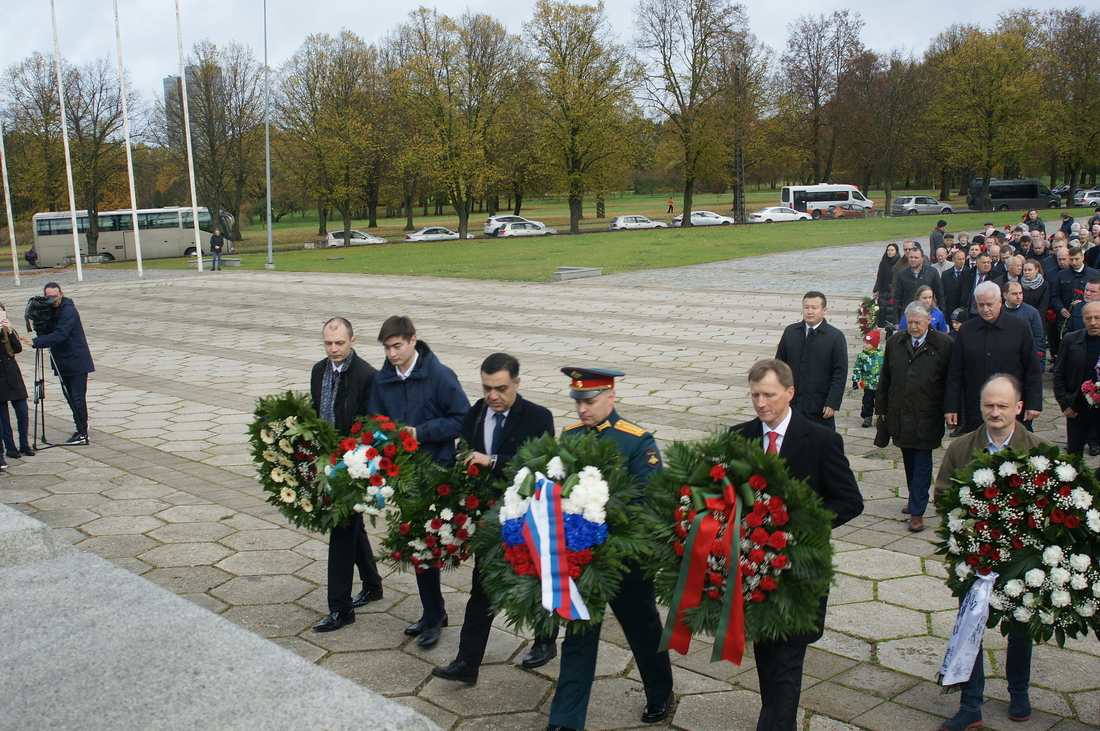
[[13, 391], [881, 290]]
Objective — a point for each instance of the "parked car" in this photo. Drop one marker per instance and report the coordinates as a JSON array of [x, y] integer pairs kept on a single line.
[[911, 205], [493, 223], [703, 218], [630, 223], [846, 210], [777, 214], [1086, 198], [1060, 190], [435, 233], [524, 228], [358, 238]]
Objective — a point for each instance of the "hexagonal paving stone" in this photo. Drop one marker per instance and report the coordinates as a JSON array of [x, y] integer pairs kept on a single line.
[[256, 540], [252, 563], [876, 621], [118, 546], [735, 710], [505, 722], [130, 507], [500, 689], [71, 501], [876, 563], [849, 589], [194, 513], [917, 656], [188, 579], [384, 671], [273, 620], [262, 590], [1068, 672], [615, 702], [368, 632], [917, 592], [191, 532], [138, 492], [128, 525], [185, 554]]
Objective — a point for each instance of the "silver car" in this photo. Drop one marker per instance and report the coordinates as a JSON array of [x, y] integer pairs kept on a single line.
[[524, 228], [358, 238], [493, 223], [911, 205], [435, 233], [703, 218], [630, 223]]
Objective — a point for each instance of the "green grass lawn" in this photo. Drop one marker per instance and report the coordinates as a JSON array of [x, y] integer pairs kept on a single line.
[[536, 259]]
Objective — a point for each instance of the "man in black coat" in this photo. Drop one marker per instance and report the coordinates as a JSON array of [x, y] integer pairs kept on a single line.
[[991, 343], [818, 357], [1076, 364], [341, 386], [951, 280], [1069, 288], [964, 291], [494, 428], [816, 455], [917, 274]]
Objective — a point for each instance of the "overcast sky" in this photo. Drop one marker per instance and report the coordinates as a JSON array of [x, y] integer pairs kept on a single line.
[[86, 27]]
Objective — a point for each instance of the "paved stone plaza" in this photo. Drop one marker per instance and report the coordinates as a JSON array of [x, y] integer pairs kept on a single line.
[[166, 488]]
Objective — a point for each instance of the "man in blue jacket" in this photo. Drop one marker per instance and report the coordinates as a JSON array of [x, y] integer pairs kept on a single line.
[[72, 360], [415, 389]]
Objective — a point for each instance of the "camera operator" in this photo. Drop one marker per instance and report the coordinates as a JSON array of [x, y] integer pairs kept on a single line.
[[72, 360]]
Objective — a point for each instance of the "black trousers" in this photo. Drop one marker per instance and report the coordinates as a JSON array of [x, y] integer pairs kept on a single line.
[[868, 406], [75, 388], [477, 624], [431, 596], [779, 669], [1079, 428], [349, 547], [817, 418]]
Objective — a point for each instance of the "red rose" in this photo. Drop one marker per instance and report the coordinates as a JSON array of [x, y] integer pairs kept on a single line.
[[1041, 502], [758, 596], [757, 482], [436, 523], [681, 531], [780, 517], [678, 548], [463, 556], [753, 520], [718, 548], [357, 427], [439, 564], [390, 450], [779, 561], [995, 556], [388, 425], [452, 548], [443, 490], [717, 472], [396, 555], [430, 541], [472, 502], [1078, 291], [414, 560], [462, 534], [1064, 490], [995, 534], [714, 594], [393, 470], [1031, 522], [760, 508], [984, 570], [678, 514], [991, 491], [461, 519], [472, 470], [760, 536], [993, 508], [716, 579], [778, 540], [981, 526], [1051, 317], [376, 480], [1072, 522], [1057, 515], [1040, 480], [747, 569], [581, 557], [437, 552], [973, 560], [404, 529], [367, 438], [348, 444], [1015, 481], [1014, 501], [325, 499], [1017, 543], [756, 555], [685, 491], [985, 549], [768, 583]]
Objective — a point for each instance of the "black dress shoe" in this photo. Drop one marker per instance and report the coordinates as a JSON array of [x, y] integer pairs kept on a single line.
[[430, 636], [334, 621], [27, 451], [365, 597], [459, 671], [655, 712], [957, 433], [540, 654], [1094, 450], [420, 626], [14, 454]]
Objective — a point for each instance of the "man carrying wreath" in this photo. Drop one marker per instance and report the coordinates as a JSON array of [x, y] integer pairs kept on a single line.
[[1002, 402], [813, 453]]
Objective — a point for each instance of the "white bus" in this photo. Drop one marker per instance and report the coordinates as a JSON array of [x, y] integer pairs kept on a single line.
[[165, 232], [816, 199]]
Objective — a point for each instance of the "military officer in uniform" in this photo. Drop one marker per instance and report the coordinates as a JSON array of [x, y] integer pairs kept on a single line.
[[593, 391]]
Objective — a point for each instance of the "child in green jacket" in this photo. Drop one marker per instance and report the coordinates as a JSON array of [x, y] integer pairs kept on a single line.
[[866, 372]]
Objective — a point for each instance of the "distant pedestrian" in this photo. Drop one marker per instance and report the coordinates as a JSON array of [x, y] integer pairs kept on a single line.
[[818, 357], [216, 244], [671, 203]]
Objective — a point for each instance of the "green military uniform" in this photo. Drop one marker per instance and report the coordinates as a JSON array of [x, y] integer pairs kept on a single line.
[[634, 606]]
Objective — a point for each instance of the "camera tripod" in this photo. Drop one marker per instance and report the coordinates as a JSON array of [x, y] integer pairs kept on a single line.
[[40, 398]]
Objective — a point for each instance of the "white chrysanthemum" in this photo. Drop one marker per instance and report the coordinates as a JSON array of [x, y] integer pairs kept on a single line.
[[1096, 589], [1029, 600], [267, 437], [984, 477], [372, 491], [277, 474], [1046, 617], [387, 492], [1008, 468], [1022, 614], [1080, 561], [953, 546], [955, 525], [287, 495], [1039, 463], [328, 470], [1059, 576], [520, 477], [469, 527], [446, 514], [359, 508], [1086, 609], [445, 534], [1053, 555], [1079, 582], [962, 570], [589, 496], [555, 468], [1060, 598], [997, 601], [964, 494], [1065, 472], [1014, 588], [306, 505], [1035, 577], [1082, 499], [358, 469], [372, 510], [428, 526], [514, 505], [1092, 520]]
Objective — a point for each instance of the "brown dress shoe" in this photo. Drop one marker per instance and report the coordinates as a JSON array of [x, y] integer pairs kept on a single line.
[[916, 523], [905, 510]]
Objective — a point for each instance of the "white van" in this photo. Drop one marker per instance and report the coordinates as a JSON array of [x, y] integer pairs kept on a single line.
[[816, 199]]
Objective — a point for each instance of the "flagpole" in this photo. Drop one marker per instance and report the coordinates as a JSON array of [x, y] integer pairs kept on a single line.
[[129, 152], [187, 137], [267, 143], [65, 145], [7, 207]]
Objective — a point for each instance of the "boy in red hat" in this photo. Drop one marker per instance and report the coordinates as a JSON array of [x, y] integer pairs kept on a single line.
[[865, 374]]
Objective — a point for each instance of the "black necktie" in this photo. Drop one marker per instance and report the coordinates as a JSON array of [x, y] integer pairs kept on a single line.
[[497, 429]]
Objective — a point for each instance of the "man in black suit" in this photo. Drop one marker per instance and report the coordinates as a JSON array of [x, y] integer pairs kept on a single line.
[[340, 386], [919, 273], [814, 454], [964, 292], [818, 357], [952, 279], [495, 428]]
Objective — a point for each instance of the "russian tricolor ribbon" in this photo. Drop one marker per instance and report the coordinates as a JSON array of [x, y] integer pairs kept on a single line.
[[544, 533], [729, 640]]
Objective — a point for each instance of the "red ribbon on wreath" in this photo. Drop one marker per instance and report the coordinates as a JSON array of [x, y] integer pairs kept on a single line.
[[729, 640]]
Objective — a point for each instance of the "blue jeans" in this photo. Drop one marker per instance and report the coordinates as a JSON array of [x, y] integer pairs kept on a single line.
[[216, 260], [21, 417], [918, 475], [1017, 671]]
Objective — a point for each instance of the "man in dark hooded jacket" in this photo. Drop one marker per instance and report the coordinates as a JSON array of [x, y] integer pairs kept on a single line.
[[72, 360]]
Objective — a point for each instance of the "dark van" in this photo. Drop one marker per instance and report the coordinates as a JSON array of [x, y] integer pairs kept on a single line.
[[1021, 193]]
